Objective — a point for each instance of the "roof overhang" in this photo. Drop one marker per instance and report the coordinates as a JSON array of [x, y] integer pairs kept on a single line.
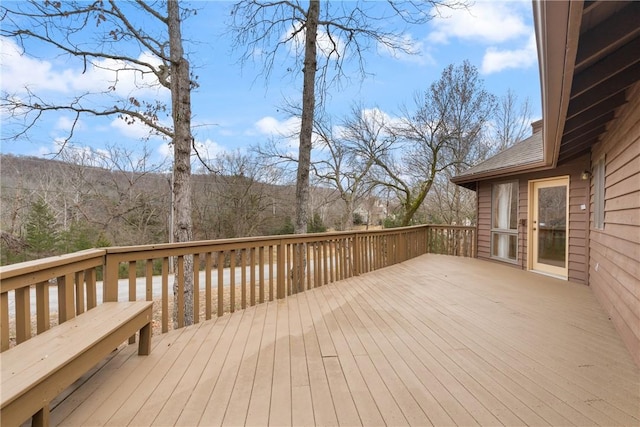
[[588, 58], [557, 26]]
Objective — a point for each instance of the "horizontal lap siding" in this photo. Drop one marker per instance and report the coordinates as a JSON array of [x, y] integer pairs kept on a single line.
[[578, 217], [614, 267], [484, 220]]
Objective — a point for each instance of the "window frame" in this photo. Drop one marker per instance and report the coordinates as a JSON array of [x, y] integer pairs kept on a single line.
[[511, 232], [599, 175]]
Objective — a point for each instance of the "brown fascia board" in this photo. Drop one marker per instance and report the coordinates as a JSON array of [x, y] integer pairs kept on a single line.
[[557, 26], [501, 173]]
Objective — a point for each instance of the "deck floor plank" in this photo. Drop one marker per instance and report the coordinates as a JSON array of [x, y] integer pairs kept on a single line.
[[538, 352], [280, 410], [528, 356], [301, 397], [260, 403], [324, 412], [239, 403], [404, 359], [162, 381], [435, 340], [216, 407], [524, 360], [385, 363], [194, 407]]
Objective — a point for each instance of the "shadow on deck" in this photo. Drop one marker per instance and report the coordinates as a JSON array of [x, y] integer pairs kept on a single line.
[[435, 340]]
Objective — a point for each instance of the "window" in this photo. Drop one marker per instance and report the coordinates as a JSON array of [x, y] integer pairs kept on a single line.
[[504, 221], [598, 194]]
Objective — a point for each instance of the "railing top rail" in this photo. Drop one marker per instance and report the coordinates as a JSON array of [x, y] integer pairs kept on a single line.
[[452, 227], [22, 268], [53, 264], [243, 242], [29, 273]]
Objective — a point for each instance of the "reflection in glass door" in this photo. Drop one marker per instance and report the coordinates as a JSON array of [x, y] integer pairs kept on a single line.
[[549, 226]]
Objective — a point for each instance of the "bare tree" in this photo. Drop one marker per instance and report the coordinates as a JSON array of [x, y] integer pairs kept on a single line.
[[441, 136], [237, 200], [324, 38], [342, 167], [97, 34], [467, 108], [511, 120]]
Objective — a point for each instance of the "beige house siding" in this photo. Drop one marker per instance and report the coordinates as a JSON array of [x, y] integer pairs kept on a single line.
[[578, 217], [614, 266]]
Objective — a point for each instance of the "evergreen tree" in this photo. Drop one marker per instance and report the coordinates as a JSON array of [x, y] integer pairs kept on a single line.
[[41, 233]]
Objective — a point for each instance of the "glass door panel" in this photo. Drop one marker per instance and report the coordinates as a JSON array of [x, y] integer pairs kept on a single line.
[[552, 225], [549, 226]]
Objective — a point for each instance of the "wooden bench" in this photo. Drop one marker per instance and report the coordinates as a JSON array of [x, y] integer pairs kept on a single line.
[[36, 371]]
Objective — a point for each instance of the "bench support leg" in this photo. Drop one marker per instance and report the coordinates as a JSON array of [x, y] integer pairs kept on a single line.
[[144, 346], [41, 418]]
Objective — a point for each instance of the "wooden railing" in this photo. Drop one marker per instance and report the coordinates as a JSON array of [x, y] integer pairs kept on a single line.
[[228, 274]]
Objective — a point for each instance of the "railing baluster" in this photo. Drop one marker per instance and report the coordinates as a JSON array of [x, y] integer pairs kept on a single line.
[[4, 321], [232, 281], [252, 277], [42, 307], [196, 288], [180, 292], [132, 280], [261, 274], [208, 262], [220, 310], [281, 270], [148, 280], [271, 278], [66, 298], [91, 282], [80, 292], [325, 261], [165, 294], [23, 314], [243, 278], [309, 256]]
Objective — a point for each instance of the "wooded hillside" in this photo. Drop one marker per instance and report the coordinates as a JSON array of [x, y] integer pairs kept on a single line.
[[50, 207]]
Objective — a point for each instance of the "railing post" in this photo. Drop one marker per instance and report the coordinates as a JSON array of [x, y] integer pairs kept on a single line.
[[280, 294], [356, 255], [427, 248], [110, 279]]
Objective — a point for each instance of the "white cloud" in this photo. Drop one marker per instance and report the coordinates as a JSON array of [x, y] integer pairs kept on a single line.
[[65, 123], [273, 127], [412, 51], [136, 130], [484, 21], [379, 117], [209, 149], [328, 46], [165, 150], [19, 71], [496, 60]]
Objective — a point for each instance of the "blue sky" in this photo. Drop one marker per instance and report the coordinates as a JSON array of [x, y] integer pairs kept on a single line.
[[235, 107]]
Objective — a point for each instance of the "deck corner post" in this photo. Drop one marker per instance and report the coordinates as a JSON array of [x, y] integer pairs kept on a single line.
[[427, 240]]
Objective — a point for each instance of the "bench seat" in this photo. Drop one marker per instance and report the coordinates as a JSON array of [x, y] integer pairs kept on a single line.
[[36, 371]]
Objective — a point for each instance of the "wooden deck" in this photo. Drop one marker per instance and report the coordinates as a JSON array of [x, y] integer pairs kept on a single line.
[[435, 340]]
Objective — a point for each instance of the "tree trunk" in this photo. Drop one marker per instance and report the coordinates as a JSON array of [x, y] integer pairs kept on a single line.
[[181, 110], [308, 110], [306, 132], [412, 206]]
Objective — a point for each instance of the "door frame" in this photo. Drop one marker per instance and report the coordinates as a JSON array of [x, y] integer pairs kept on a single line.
[[562, 273]]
